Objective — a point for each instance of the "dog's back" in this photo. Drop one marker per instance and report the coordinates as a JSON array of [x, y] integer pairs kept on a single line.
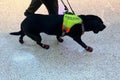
[[43, 23]]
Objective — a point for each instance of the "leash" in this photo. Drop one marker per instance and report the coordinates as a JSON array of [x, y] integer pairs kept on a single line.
[[70, 7]]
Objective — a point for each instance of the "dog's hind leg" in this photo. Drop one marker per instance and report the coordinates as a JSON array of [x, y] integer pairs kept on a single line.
[[21, 38], [38, 39]]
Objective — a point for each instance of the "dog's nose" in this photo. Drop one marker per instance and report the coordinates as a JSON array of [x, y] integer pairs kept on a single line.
[[103, 27]]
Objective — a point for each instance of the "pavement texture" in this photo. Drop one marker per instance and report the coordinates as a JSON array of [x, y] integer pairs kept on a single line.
[[63, 61]]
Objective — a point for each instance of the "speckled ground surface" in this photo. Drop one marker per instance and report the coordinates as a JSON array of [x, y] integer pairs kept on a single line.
[[63, 61]]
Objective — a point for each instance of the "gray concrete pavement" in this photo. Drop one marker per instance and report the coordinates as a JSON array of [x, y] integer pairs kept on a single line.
[[63, 61]]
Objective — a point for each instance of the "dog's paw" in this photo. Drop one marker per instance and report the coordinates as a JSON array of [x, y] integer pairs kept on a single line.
[[89, 49], [60, 39], [45, 46], [21, 41]]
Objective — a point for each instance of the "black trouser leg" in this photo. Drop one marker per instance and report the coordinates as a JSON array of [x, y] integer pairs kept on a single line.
[[34, 5], [52, 6]]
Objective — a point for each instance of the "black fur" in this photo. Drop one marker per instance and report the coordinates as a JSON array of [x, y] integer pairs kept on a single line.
[[35, 24]]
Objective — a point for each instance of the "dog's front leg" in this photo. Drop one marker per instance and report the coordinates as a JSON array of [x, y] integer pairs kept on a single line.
[[79, 41], [59, 39]]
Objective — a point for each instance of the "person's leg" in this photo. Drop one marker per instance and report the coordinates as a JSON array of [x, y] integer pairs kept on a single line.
[[52, 6], [34, 5]]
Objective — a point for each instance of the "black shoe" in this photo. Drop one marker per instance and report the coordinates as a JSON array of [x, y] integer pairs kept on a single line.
[[28, 13]]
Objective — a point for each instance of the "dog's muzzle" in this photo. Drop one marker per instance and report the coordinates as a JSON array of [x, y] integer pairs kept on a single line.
[[100, 28]]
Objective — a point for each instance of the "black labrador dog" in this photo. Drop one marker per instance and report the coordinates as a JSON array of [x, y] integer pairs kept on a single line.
[[35, 24]]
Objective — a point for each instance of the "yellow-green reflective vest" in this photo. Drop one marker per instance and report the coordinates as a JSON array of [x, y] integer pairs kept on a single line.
[[70, 20]]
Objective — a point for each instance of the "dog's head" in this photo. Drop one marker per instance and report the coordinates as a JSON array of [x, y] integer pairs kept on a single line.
[[93, 23]]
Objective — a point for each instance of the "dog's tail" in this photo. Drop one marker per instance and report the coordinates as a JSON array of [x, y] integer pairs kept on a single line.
[[16, 33]]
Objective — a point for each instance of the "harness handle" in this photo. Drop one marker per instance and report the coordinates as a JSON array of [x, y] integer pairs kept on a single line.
[[66, 9]]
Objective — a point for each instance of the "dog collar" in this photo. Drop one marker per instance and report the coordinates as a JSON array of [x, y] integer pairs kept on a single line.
[[83, 29]]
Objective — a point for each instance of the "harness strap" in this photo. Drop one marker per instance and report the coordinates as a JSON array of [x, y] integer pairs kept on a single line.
[[65, 30]]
